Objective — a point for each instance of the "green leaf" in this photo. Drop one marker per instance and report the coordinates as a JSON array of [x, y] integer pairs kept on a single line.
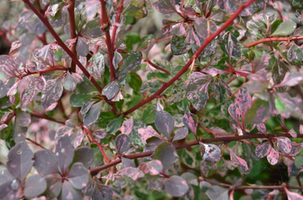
[[86, 87], [149, 114], [258, 113], [279, 105], [178, 47], [134, 101], [114, 125], [285, 28], [77, 100], [105, 118], [298, 4], [93, 114], [135, 81], [131, 61], [299, 161]]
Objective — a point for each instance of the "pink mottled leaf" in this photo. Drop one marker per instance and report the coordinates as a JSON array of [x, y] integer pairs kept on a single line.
[[100, 134], [301, 129], [189, 122], [122, 143], [234, 112], [263, 149], [262, 128], [176, 186], [35, 85], [210, 152], [132, 172], [153, 167], [165, 6], [291, 79], [148, 132], [284, 145], [273, 156], [13, 90], [243, 101], [127, 126], [52, 92], [8, 66], [293, 195], [237, 159], [181, 134], [292, 133], [23, 119]]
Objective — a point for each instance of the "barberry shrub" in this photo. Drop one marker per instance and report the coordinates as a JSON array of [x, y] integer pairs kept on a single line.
[[91, 110]]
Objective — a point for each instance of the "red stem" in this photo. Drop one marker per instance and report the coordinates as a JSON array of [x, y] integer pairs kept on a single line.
[[274, 39], [61, 43], [71, 14], [156, 66], [184, 69], [44, 116], [96, 142], [117, 21]]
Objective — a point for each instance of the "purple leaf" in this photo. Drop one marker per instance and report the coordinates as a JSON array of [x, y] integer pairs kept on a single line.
[[176, 186], [147, 132], [210, 152], [234, 112], [78, 176], [164, 122], [263, 149], [64, 152], [13, 90], [82, 47], [34, 186], [23, 119], [190, 178], [125, 162], [70, 82], [237, 159], [45, 162], [153, 167], [122, 143], [189, 122], [84, 155], [131, 61], [273, 156], [111, 90], [54, 185], [93, 114], [293, 195], [45, 54], [243, 101], [127, 126], [4, 87], [284, 145], [165, 6], [52, 92], [86, 106], [261, 128], [8, 66], [100, 134], [166, 153], [181, 134], [291, 79], [204, 27], [70, 193], [217, 193], [6, 190], [292, 169], [102, 192], [20, 160]]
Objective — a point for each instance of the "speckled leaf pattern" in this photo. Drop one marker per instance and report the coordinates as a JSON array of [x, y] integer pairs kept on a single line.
[[98, 64], [114, 125], [176, 186], [292, 169], [122, 143], [234, 112], [117, 59], [181, 134], [166, 153], [165, 6], [291, 79], [240, 161], [295, 53], [93, 114], [243, 101], [293, 195], [273, 156], [34, 186], [8, 66], [35, 85], [52, 92], [205, 27], [232, 46], [284, 145], [82, 47], [263, 149], [153, 167], [147, 132], [4, 88], [64, 152], [45, 162], [262, 128], [84, 155], [45, 54], [100, 134], [111, 90], [164, 123], [210, 152], [20, 160], [232, 6], [78, 176], [189, 122], [69, 193], [133, 173], [292, 133], [131, 61], [23, 119], [127, 126]]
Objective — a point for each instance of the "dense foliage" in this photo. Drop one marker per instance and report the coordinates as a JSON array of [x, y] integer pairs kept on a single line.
[[88, 111]]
